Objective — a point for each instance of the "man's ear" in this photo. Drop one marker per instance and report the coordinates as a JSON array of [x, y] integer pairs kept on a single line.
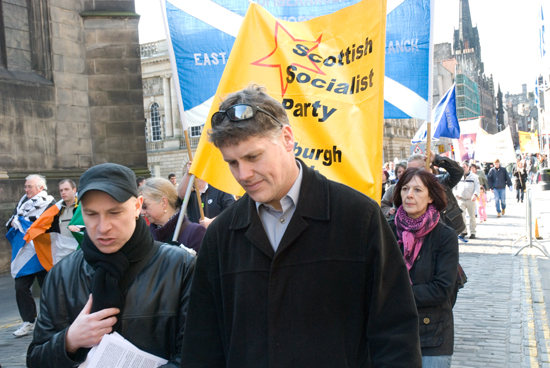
[[288, 138], [139, 203]]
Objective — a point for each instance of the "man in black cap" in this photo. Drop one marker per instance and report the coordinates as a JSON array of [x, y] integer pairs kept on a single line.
[[122, 280]]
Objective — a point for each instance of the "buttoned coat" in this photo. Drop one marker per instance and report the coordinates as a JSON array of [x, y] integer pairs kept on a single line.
[[434, 279], [336, 290]]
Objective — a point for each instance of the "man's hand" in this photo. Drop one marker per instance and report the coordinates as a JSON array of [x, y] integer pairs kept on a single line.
[[74, 229], [392, 211], [206, 222], [87, 330], [432, 157], [474, 198], [189, 165]]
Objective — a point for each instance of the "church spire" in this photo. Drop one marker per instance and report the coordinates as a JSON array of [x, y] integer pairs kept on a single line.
[[465, 25]]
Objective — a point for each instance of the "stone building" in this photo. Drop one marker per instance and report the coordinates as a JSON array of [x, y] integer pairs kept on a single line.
[[166, 147], [467, 52], [70, 94], [519, 108], [397, 138]]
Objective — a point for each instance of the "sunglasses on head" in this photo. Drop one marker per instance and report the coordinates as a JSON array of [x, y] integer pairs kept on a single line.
[[238, 113]]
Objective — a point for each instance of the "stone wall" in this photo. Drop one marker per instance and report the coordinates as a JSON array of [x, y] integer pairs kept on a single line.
[[164, 163], [79, 103]]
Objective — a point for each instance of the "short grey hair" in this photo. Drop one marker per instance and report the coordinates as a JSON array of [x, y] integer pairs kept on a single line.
[[40, 180], [416, 157], [228, 133], [402, 164]]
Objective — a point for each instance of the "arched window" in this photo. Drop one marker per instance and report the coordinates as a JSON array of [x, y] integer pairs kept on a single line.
[[155, 123]]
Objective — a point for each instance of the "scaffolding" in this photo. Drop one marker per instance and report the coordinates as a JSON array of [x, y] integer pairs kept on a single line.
[[467, 98]]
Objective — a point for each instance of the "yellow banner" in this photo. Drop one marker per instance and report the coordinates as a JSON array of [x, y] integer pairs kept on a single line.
[[328, 73], [528, 142]]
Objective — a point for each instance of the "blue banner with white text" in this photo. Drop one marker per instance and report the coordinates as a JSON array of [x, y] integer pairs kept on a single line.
[[202, 34]]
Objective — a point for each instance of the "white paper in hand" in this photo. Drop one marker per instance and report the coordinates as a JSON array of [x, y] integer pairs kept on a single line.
[[114, 351]]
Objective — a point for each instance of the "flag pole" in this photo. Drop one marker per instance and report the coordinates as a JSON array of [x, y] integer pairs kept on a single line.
[[428, 145], [430, 88], [176, 79]]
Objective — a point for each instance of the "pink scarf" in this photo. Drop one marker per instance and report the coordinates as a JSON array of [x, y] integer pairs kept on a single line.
[[411, 232]]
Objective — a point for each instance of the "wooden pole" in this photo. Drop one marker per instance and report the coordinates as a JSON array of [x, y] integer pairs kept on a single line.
[[428, 144]]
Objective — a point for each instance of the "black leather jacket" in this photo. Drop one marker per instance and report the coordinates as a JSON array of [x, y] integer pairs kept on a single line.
[[154, 312], [452, 214]]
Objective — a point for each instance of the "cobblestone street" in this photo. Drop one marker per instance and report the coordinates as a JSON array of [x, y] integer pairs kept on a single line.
[[500, 316]]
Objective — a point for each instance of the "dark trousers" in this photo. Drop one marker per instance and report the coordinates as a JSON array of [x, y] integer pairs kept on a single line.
[[519, 194], [23, 295]]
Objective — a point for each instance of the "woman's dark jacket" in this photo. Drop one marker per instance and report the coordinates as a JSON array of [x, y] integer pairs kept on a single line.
[[191, 236], [434, 284], [154, 311], [520, 179]]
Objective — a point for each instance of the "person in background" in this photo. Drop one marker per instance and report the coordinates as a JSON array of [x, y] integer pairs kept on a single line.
[[51, 233], [173, 180], [467, 192], [385, 181], [528, 166], [482, 206], [480, 174], [386, 205], [140, 180], [67, 190], [214, 201], [543, 163], [25, 266], [430, 250], [391, 171], [161, 207], [498, 180], [520, 184]]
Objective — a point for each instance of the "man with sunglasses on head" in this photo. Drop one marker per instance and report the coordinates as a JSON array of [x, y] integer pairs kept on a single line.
[[301, 271]]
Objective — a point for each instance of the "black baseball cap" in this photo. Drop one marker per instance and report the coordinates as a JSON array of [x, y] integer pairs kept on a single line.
[[116, 180]]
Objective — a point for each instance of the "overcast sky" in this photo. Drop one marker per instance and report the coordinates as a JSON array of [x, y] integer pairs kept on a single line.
[[508, 31]]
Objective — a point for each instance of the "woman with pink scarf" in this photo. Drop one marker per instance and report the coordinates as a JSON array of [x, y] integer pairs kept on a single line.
[[430, 250]]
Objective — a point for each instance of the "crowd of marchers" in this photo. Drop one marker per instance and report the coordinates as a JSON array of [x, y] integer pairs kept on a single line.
[[299, 272]]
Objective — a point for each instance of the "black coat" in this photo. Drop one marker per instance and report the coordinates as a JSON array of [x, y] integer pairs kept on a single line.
[[154, 311], [214, 201], [498, 178], [336, 289], [434, 278], [520, 179]]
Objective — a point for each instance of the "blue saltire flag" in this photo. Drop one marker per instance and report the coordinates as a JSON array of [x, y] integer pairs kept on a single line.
[[24, 260], [542, 45], [200, 36], [445, 122]]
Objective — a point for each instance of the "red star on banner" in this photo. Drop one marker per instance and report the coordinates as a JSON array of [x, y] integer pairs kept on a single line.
[[279, 54]]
